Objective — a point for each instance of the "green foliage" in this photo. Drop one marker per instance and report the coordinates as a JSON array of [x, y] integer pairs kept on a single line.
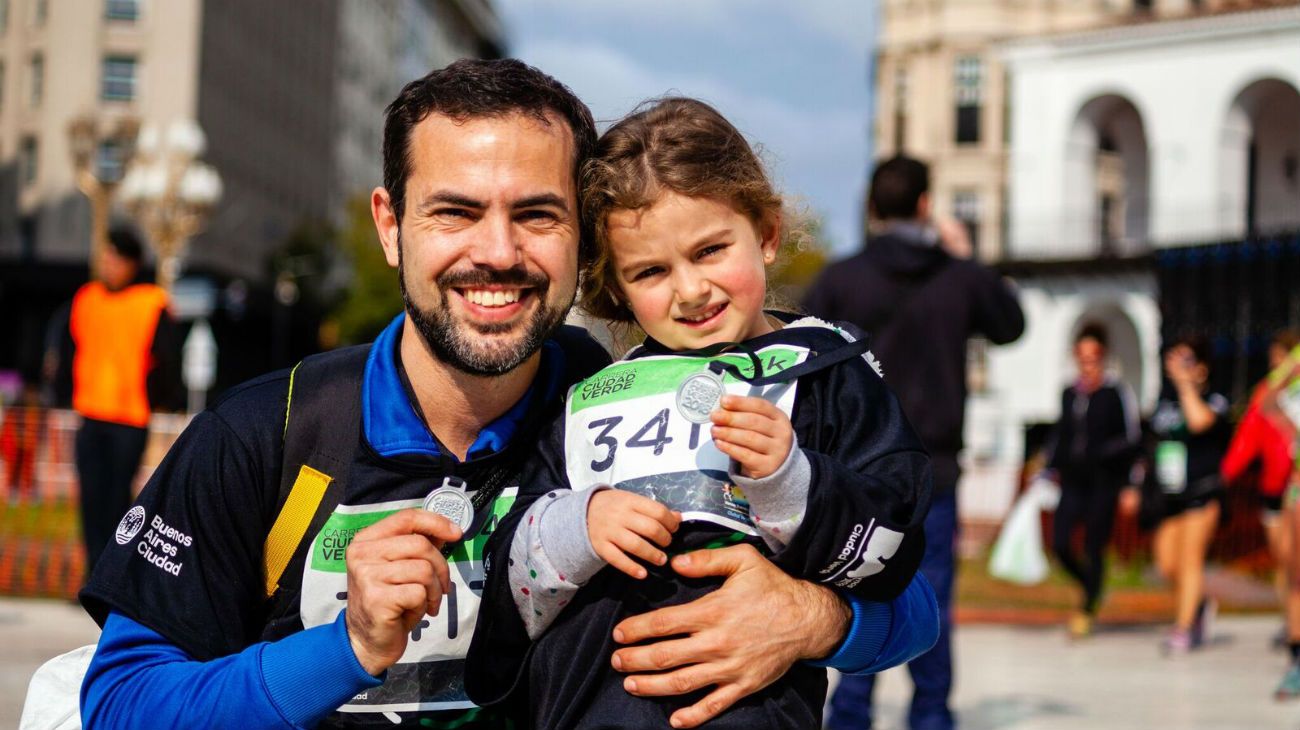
[[372, 298], [801, 258]]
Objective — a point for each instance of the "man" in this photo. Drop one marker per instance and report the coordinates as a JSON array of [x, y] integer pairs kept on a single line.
[[122, 339], [222, 627], [913, 289]]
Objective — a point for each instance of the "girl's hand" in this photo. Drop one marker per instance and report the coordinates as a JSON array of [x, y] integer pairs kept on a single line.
[[622, 525], [755, 433]]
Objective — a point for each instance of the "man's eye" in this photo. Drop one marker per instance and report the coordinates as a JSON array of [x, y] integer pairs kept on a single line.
[[536, 215], [451, 213]]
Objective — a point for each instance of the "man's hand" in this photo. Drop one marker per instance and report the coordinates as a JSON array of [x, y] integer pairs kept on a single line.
[[954, 238], [740, 638], [755, 433], [622, 525], [396, 575]]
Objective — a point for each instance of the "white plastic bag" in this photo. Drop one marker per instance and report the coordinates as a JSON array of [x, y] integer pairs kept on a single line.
[[54, 695], [1018, 555]]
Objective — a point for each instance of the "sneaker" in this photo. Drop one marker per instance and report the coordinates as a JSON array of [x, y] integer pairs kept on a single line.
[[1289, 687], [1080, 625], [1203, 626], [1177, 642]]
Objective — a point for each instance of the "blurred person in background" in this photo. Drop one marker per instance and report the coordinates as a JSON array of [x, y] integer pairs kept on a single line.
[[1276, 403], [1091, 451], [1191, 427], [917, 292], [123, 352], [1259, 442]]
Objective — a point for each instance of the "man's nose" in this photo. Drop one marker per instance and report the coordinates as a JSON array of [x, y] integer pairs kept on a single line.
[[497, 245]]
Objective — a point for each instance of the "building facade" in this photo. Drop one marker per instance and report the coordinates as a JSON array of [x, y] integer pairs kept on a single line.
[[1083, 143], [290, 96], [941, 91]]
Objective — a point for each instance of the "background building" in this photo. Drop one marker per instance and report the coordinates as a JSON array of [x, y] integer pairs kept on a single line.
[[1080, 141], [290, 95]]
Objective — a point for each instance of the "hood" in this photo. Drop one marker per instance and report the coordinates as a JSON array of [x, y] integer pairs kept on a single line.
[[904, 251]]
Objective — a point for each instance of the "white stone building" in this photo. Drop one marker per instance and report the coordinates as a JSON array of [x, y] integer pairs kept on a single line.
[[1126, 141]]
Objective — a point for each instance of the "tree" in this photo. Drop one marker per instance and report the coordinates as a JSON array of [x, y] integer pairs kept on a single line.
[[372, 298]]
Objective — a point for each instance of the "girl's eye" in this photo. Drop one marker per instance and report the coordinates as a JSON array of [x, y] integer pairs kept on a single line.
[[646, 273], [710, 250]]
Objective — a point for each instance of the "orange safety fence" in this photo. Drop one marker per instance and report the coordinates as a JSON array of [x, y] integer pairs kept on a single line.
[[40, 535]]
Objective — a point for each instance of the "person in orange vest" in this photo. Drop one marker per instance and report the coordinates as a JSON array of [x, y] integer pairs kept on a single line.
[[122, 337]]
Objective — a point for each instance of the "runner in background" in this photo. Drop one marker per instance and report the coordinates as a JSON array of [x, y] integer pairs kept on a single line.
[[1280, 405], [1191, 426], [1259, 441], [1091, 452]]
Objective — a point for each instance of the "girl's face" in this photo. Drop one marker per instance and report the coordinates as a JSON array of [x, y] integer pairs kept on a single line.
[[692, 270]]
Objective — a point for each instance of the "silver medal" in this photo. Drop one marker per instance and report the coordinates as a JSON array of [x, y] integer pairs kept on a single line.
[[451, 501], [699, 395]]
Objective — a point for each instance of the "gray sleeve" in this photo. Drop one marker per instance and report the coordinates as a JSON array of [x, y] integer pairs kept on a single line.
[[551, 557], [779, 501]]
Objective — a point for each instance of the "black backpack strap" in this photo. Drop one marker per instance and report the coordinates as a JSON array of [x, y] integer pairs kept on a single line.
[[322, 431]]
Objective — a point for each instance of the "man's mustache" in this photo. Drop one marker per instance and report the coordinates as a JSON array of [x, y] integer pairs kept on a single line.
[[472, 278]]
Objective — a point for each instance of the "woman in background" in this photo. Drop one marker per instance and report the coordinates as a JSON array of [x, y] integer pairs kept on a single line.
[[1092, 450], [1191, 426]]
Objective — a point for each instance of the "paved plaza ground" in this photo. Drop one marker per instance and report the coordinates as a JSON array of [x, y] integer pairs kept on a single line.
[[1019, 678], [1009, 678]]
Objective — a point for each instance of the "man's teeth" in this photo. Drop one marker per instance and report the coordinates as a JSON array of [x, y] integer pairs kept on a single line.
[[498, 298]]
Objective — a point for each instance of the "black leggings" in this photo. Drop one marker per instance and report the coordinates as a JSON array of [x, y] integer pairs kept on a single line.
[[108, 455], [1090, 502]]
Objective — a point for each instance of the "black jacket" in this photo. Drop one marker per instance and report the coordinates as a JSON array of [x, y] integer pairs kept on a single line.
[[1099, 433], [921, 305], [867, 469]]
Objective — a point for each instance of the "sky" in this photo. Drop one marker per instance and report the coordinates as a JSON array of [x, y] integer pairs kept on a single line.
[[793, 76]]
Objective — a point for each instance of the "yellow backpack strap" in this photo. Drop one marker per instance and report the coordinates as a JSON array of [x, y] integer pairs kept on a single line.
[[291, 524], [320, 437]]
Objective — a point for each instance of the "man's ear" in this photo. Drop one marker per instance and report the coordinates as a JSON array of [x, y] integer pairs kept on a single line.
[[386, 223]]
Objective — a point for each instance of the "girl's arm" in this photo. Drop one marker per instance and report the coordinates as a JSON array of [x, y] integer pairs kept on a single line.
[[868, 483]]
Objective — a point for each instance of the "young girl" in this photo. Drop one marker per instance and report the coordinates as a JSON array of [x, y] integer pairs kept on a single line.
[[729, 424]]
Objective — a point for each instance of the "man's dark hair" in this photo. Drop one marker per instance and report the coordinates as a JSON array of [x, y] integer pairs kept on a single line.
[[474, 88], [126, 244], [1199, 346], [1094, 331], [896, 188]]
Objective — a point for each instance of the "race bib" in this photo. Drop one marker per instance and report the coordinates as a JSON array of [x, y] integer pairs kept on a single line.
[[430, 674], [632, 426], [1171, 466]]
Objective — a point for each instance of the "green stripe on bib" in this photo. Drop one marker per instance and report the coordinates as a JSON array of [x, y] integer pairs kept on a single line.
[[655, 375]]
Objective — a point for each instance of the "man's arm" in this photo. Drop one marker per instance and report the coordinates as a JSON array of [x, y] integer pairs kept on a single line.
[[138, 678], [997, 312]]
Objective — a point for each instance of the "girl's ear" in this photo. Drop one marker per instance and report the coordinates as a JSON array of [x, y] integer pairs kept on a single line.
[[770, 236]]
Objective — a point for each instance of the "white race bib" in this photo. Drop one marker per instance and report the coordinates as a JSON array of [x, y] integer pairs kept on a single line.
[[624, 429]]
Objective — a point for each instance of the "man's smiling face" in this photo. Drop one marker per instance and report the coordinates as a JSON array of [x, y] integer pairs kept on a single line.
[[488, 245]]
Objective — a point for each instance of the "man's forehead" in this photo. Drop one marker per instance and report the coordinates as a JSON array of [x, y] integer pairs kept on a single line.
[[513, 147]]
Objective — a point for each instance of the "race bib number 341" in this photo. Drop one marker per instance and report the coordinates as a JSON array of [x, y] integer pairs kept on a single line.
[[624, 428]]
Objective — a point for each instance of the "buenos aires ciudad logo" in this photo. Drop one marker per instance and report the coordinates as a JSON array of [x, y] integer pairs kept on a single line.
[[130, 525]]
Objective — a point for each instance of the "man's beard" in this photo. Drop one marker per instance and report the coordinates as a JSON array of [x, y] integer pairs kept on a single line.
[[463, 345]]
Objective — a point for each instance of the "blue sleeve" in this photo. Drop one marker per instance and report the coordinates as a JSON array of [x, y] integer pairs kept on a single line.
[[884, 635], [137, 678]]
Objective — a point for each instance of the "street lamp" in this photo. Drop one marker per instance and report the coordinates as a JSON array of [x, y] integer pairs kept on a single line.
[[170, 191], [101, 148]]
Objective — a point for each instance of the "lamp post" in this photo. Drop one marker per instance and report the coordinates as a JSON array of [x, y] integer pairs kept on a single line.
[[170, 191], [98, 177]]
